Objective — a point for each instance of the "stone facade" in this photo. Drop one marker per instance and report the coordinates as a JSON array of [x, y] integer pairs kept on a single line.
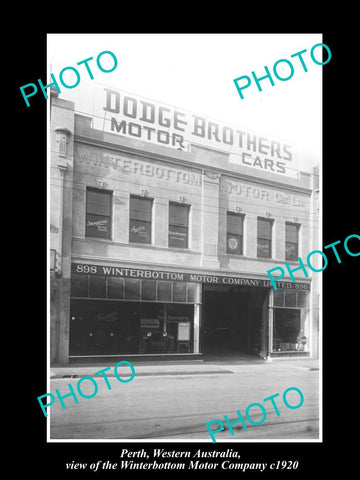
[[83, 157]]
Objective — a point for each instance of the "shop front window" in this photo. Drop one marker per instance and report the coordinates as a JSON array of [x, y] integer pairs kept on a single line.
[[291, 310], [100, 286], [286, 329], [169, 332], [118, 328]]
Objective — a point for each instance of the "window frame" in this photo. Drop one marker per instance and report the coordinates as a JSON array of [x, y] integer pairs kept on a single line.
[[171, 224], [241, 217], [147, 222], [292, 243], [102, 216], [270, 222]]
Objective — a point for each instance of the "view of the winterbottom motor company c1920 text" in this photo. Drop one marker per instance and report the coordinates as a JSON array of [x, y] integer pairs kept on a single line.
[[186, 250]]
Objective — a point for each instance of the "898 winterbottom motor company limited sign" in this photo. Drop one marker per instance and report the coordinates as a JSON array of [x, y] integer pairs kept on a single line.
[[146, 274]]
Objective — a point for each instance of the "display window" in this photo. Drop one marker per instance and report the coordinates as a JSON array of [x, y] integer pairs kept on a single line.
[[100, 286], [117, 328], [290, 321]]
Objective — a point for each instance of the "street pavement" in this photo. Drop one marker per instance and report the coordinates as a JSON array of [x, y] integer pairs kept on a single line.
[[215, 364], [174, 401]]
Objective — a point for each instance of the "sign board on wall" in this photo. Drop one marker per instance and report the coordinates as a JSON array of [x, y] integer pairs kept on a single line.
[[149, 322], [136, 117], [183, 331], [141, 273]]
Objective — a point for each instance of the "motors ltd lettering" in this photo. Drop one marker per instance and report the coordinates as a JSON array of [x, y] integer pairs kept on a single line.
[[261, 194]]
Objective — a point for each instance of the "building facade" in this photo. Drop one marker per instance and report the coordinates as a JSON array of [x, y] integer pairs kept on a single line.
[[160, 251]]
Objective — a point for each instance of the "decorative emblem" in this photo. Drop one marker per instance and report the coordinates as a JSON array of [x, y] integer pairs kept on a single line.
[[233, 243]]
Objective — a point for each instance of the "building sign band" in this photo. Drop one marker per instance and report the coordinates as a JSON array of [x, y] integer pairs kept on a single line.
[[148, 120], [141, 273]]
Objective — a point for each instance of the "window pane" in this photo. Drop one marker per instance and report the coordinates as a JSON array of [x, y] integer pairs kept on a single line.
[[291, 251], [279, 298], [234, 244], [98, 202], [103, 328], [164, 291], [179, 292], [97, 286], [180, 327], [290, 299], [140, 209], [178, 236], [286, 329], [263, 248], [132, 289], [148, 290], [193, 292], [140, 231], [79, 285], [116, 287], [234, 223], [291, 233], [97, 226], [178, 215], [264, 228], [303, 299]]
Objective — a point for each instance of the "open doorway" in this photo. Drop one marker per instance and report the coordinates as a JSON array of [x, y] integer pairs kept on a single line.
[[233, 320]]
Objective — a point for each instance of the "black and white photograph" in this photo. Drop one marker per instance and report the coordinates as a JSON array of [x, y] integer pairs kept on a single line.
[[176, 223], [186, 301]]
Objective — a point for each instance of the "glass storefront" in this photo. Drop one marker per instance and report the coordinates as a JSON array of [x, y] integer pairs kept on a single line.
[[117, 328], [290, 321], [119, 316], [113, 315]]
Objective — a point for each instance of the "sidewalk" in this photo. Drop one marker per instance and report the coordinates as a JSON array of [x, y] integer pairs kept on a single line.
[[225, 366]]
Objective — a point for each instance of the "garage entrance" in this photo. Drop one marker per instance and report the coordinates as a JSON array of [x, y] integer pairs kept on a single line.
[[234, 320]]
